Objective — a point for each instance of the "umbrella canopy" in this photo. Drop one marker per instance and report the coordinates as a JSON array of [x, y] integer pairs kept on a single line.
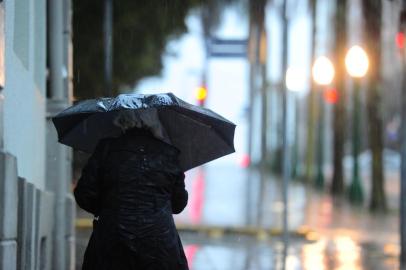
[[200, 134]]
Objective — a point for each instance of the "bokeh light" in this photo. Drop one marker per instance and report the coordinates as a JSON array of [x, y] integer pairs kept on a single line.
[[295, 79], [201, 93], [356, 62], [323, 71]]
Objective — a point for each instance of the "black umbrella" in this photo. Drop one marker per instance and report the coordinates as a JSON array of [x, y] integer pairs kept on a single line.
[[200, 134]]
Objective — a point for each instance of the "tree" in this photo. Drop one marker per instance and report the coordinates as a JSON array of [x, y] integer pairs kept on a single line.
[[211, 13], [372, 10], [339, 114], [141, 31]]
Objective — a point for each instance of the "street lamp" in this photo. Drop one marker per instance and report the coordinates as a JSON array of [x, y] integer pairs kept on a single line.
[[295, 82], [356, 63], [323, 74]]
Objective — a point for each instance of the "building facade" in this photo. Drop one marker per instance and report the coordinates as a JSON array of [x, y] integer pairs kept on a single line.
[[36, 205]]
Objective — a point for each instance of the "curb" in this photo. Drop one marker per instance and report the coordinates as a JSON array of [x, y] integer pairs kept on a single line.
[[220, 231]]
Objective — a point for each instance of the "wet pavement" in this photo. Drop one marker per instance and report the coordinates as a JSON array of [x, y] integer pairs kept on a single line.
[[223, 195]]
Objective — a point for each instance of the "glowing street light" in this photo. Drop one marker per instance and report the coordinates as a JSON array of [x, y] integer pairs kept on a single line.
[[357, 64], [323, 71], [323, 74]]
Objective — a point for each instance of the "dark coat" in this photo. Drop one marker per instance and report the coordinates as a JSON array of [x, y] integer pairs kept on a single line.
[[133, 185]]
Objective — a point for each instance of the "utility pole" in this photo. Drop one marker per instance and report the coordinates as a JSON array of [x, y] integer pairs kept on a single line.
[[264, 93], [402, 30], [257, 60], [253, 87], [206, 23], [340, 108], [372, 13], [355, 190], [285, 144], [1, 116], [58, 101], [357, 65], [309, 174], [58, 174], [2, 70], [108, 46]]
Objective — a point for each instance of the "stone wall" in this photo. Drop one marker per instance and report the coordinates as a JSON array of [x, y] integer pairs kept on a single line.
[[27, 220], [8, 211]]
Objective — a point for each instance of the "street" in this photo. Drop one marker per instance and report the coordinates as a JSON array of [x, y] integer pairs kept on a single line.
[[234, 219]]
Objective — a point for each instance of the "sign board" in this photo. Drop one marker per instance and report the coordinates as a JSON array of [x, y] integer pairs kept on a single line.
[[227, 47]]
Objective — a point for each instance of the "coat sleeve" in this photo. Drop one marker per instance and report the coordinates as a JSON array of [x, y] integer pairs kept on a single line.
[[179, 194], [87, 190]]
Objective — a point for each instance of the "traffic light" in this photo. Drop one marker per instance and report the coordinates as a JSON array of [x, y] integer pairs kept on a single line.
[[400, 40], [201, 95], [331, 96], [400, 35]]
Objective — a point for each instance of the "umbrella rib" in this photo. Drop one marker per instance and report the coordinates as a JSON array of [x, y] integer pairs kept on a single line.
[[209, 126], [89, 114]]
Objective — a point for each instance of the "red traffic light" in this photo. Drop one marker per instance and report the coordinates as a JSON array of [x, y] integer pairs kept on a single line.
[[331, 95], [201, 95], [400, 40]]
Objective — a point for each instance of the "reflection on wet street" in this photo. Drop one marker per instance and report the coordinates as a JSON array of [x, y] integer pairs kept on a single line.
[[338, 236], [341, 253], [327, 233]]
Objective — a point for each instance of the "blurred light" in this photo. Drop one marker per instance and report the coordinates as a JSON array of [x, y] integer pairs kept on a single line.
[[201, 93], [323, 71], [295, 79], [314, 255], [356, 62], [196, 200], [347, 253], [312, 236], [331, 96], [292, 262], [190, 253], [391, 250], [245, 161], [400, 40]]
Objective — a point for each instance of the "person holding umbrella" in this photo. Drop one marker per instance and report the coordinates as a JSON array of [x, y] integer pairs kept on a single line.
[[133, 182]]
